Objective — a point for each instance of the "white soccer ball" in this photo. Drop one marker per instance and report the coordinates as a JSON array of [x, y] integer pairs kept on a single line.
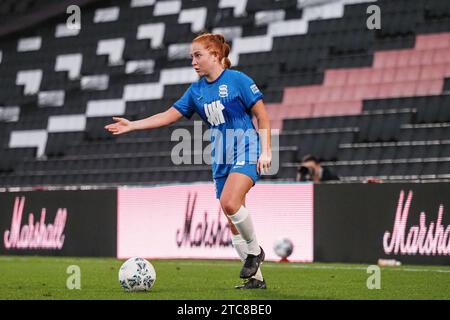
[[137, 274], [283, 247]]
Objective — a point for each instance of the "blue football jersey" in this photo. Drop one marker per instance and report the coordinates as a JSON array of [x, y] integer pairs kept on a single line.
[[225, 106]]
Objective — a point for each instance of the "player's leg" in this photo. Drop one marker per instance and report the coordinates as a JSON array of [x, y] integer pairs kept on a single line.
[[233, 194], [219, 184], [260, 283], [240, 245], [233, 229]]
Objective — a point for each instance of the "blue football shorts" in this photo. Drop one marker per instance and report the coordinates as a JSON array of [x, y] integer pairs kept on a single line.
[[247, 169]]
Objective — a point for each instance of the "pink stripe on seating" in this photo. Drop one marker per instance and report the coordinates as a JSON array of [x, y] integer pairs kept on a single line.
[[433, 41], [395, 73]]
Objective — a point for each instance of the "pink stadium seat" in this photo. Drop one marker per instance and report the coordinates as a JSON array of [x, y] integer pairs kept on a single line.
[[433, 41], [376, 76], [369, 91], [365, 77], [347, 93], [335, 77], [336, 108], [358, 76], [300, 110], [289, 95], [388, 75], [289, 111], [276, 124], [322, 95], [421, 58], [395, 73], [447, 70], [271, 112], [350, 107], [335, 94], [274, 115], [407, 74], [403, 58], [308, 94], [383, 90], [401, 89], [380, 60], [441, 56], [433, 72], [285, 111], [429, 87], [321, 109]]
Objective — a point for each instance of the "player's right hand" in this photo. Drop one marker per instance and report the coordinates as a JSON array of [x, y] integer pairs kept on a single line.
[[122, 125]]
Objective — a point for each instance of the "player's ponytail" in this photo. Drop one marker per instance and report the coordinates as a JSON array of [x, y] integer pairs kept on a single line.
[[216, 44], [226, 63]]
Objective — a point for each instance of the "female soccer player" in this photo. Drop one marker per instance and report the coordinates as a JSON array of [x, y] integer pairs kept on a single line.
[[225, 99]]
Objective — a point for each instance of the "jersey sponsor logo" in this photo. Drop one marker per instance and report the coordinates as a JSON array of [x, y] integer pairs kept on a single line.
[[223, 91], [214, 112], [240, 163], [254, 88]]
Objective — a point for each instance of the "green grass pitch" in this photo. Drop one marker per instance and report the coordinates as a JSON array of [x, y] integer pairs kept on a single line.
[[46, 277]]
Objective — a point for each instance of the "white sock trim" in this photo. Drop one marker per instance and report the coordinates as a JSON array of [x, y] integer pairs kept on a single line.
[[239, 215]]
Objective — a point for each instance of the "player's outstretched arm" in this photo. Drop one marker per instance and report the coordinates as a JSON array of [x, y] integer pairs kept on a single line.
[[162, 119]]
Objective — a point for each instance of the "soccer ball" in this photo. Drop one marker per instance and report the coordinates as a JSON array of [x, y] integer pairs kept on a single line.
[[137, 274], [283, 247]]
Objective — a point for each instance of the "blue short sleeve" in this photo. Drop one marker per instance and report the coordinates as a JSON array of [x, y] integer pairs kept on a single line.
[[185, 105], [250, 93]]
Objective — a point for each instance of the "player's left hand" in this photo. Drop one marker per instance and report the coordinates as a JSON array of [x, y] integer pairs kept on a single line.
[[264, 162]]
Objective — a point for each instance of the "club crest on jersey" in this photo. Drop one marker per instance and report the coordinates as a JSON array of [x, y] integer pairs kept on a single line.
[[214, 112], [223, 91]]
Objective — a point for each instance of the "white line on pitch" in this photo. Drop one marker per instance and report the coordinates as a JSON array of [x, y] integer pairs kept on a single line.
[[294, 266]]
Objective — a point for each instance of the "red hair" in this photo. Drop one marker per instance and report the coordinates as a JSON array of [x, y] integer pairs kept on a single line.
[[215, 44]]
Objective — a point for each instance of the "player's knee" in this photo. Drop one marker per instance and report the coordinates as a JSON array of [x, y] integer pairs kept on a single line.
[[229, 205]]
